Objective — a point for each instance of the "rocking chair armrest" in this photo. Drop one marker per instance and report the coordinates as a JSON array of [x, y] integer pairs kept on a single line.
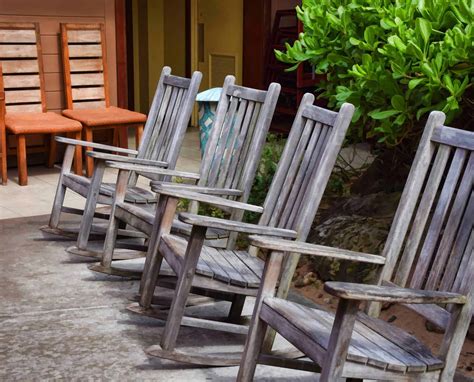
[[234, 226], [195, 188], [126, 159], [203, 198], [98, 146], [150, 169], [364, 292], [283, 245]]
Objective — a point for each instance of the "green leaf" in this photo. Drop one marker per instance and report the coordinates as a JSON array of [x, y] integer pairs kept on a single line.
[[354, 41], [398, 102], [412, 84], [397, 42], [383, 114], [425, 28]]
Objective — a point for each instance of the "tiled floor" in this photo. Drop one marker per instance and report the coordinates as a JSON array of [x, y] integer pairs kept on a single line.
[[37, 197]]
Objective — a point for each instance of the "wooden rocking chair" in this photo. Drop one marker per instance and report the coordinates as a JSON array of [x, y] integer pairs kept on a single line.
[[164, 132], [229, 165], [228, 274], [430, 249]]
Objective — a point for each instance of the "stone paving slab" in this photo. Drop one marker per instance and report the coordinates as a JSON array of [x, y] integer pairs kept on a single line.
[[60, 321]]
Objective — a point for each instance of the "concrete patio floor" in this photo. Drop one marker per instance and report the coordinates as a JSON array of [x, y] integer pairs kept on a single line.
[[37, 197], [59, 320]]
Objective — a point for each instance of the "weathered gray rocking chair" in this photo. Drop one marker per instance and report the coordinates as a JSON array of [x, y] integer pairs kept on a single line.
[[430, 248], [242, 121], [226, 274], [164, 132]]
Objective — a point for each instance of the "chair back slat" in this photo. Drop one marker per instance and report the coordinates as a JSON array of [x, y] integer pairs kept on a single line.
[[242, 121], [85, 66], [438, 218], [20, 55], [168, 117], [429, 237], [307, 160]]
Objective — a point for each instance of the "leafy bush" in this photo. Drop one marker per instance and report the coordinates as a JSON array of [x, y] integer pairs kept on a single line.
[[395, 60]]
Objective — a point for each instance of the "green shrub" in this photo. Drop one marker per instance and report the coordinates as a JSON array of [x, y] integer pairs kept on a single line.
[[395, 60]]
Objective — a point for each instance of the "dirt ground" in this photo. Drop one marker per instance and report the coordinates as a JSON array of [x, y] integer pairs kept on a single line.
[[403, 318]]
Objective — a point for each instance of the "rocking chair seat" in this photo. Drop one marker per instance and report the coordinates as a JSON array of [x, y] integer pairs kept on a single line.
[[229, 266], [104, 117], [374, 342], [107, 190]]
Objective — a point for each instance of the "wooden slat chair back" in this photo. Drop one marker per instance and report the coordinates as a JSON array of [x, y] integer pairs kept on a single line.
[[85, 66], [430, 250], [164, 132], [236, 142], [23, 76], [428, 245], [165, 128]]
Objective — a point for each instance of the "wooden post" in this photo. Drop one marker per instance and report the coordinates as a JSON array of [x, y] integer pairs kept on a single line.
[[78, 156], [88, 136]]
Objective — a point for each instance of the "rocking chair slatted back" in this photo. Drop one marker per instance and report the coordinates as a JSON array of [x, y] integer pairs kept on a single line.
[[305, 165], [237, 138], [168, 118], [20, 54], [430, 243], [85, 66], [170, 110]]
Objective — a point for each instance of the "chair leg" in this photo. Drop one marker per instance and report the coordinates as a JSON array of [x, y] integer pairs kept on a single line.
[[258, 327], [61, 189], [236, 308], [91, 204], [88, 136], [138, 136], [183, 287], [78, 155], [123, 136], [52, 151], [339, 340], [3, 148], [165, 212], [21, 160], [112, 229]]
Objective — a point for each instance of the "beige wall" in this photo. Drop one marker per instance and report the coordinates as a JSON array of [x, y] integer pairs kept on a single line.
[[49, 13], [161, 42]]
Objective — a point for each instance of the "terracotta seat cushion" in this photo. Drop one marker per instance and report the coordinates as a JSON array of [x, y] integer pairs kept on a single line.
[[40, 123], [107, 116]]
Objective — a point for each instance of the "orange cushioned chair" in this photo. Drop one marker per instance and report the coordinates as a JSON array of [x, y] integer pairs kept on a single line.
[[87, 86], [24, 111]]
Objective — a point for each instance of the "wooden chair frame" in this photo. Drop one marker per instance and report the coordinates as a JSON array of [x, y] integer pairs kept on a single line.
[[290, 206], [430, 248], [23, 58], [164, 133], [229, 165], [89, 74], [3, 134]]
